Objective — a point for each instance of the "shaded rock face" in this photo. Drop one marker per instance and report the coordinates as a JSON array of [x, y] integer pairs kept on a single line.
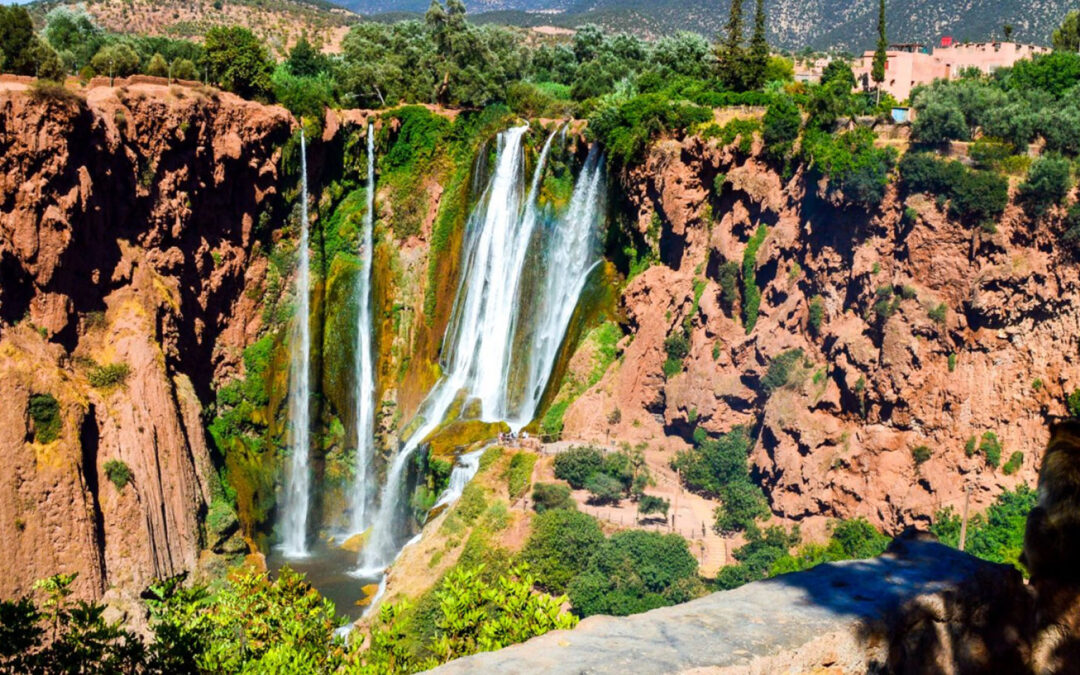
[[922, 608], [932, 333], [127, 225]]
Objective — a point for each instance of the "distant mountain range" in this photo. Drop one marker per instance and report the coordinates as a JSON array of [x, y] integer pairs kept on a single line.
[[793, 24]]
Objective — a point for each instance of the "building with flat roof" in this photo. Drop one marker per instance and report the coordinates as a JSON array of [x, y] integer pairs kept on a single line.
[[909, 65]]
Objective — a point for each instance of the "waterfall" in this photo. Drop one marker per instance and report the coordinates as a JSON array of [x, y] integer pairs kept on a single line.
[[567, 260], [500, 240], [298, 477], [364, 375], [466, 467]]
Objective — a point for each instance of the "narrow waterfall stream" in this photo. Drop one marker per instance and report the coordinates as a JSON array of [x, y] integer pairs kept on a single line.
[[295, 502], [361, 497], [501, 242]]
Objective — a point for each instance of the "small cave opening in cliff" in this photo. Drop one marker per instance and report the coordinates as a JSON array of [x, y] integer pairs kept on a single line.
[[89, 440], [15, 292]]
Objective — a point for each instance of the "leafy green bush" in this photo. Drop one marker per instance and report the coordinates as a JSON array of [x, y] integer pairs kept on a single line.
[[118, 472], [45, 411], [578, 463], [560, 546], [920, 453], [741, 504], [937, 313], [551, 424], [938, 123], [996, 535], [973, 195], [649, 504], [677, 346], [757, 557], [1048, 183], [624, 129], [714, 463], [751, 292], [238, 62], [551, 496], [856, 170], [781, 123], [815, 314], [635, 571], [102, 377], [604, 489], [519, 473], [990, 446], [849, 540], [780, 370], [1015, 463]]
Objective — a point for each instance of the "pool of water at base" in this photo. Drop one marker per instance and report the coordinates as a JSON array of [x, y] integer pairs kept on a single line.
[[332, 572]]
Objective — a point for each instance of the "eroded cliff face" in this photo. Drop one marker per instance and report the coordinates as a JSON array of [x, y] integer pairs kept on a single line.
[[877, 379], [128, 222]]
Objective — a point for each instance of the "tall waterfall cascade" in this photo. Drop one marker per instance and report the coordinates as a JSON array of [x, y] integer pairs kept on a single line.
[[297, 495], [494, 330], [364, 412]]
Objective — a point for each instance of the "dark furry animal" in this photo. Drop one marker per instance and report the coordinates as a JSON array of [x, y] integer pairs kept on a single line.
[[1052, 538]]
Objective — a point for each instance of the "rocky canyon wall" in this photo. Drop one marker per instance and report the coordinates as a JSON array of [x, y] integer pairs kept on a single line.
[[929, 335], [128, 221]]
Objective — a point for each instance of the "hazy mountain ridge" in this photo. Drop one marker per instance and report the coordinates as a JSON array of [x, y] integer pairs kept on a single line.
[[793, 24]]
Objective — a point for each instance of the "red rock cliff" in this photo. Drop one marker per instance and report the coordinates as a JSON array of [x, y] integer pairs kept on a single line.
[[127, 222], [877, 380]]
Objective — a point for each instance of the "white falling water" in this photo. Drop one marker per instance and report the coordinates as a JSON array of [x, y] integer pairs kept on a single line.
[[298, 477], [480, 334], [364, 373], [568, 258], [464, 469]]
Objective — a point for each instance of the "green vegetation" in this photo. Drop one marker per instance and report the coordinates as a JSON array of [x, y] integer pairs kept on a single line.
[[118, 473], [103, 377], [519, 473], [609, 478], [853, 539], [751, 292], [1015, 463], [920, 453], [238, 62], [718, 468], [991, 448], [857, 171], [1048, 183], [45, 412], [937, 313], [635, 571], [973, 195], [560, 547], [625, 128], [996, 535], [781, 370], [577, 464], [551, 496], [677, 347], [815, 314]]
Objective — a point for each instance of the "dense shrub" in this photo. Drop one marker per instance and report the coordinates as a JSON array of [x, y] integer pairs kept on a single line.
[[635, 571], [857, 171], [780, 370], [604, 489], [815, 314], [715, 462], [974, 195], [781, 126], [1047, 184], [118, 472], [551, 496], [849, 539], [45, 411], [560, 546], [625, 128], [677, 347], [938, 123], [649, 504], [237, 61], [996, 535], [757, 557], [578, 463], [921, 454], [751, 292], [109, 375], [991, 447], [1015, 463], [741, 504], [519, 473]]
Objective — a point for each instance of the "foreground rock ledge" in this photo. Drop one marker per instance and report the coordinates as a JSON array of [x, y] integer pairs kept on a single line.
[[922, 607]]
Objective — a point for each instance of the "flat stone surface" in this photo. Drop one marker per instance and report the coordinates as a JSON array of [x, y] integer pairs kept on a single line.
[[827, 619]]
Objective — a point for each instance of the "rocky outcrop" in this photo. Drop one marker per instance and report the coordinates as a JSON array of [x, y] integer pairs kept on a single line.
[[922, 608], [128, 222], [932, 333]]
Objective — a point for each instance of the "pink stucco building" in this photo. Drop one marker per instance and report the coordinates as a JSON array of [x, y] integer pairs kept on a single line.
[[913, 64]]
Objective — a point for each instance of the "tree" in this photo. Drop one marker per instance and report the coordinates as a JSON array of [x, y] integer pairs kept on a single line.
[[877, 69], [17, 40], [560, 547], [731, 56], [184, 69], [237, 61], [1007, 30], [74, 35], [116, 60], [838, 71], [1066, 37], [649, 504], [304, 60], [758, 59], [1047, 184], [157, 66], [604, 489], [742, 503], [577, 464]]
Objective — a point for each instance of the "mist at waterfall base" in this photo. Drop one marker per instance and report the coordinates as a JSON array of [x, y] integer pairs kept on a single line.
[[524, 266]]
